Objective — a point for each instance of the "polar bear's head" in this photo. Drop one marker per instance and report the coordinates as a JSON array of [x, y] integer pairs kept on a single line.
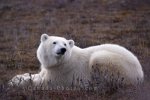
[[54, 50]]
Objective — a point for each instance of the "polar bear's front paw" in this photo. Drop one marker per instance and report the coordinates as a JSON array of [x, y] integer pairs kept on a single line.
[[21, 80]]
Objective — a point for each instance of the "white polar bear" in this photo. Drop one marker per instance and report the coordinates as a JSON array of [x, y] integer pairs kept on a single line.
[[64, 64]]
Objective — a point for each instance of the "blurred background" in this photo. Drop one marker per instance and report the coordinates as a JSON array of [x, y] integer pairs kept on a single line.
[[87, 22]]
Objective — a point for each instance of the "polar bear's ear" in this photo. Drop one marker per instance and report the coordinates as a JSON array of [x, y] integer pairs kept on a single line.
[[44, 37], [71, 43]]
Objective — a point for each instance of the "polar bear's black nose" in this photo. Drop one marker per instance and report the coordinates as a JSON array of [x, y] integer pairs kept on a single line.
[[63, 50]]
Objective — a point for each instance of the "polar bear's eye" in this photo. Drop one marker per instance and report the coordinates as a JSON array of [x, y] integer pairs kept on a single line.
[[64, 44], [54, 42]]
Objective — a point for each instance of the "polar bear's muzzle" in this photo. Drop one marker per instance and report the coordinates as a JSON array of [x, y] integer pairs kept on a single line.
[[61, 51]]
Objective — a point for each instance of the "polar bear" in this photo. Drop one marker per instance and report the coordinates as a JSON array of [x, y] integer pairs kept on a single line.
[[64, 64]]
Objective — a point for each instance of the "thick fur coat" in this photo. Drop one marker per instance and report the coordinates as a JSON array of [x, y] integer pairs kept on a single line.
[[64, 64]]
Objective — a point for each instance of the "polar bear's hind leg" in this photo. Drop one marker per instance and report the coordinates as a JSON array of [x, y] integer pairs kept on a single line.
[[115, 68]]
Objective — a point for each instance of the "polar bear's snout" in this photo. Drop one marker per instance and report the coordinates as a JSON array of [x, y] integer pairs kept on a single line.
[[61, 51]]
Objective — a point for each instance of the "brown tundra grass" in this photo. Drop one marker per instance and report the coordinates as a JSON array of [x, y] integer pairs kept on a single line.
[[88, 23]]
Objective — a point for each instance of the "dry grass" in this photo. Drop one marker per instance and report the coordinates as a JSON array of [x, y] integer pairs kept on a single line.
[[88, 23]]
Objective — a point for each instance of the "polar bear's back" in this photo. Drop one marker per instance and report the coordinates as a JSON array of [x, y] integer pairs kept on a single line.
[[112, 48]]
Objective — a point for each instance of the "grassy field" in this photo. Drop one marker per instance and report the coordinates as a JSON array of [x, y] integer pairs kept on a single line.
[[89, 22]]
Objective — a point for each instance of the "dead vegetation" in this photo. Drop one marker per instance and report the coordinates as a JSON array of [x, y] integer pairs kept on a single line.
[[89, 22]]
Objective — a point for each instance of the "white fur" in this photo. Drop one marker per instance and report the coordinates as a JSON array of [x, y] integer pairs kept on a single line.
[[77, 63]]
